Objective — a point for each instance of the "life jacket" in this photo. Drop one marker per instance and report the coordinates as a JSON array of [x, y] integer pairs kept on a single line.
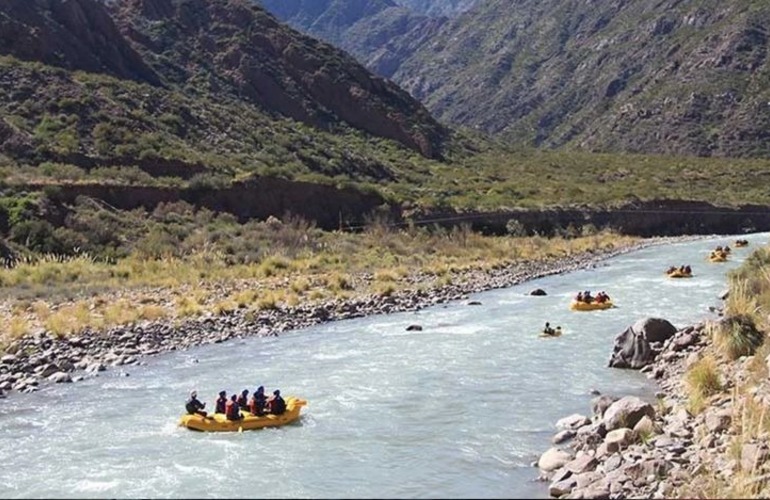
[[221, 405], [256, 407], [232, 410], [243, 402], [278, 406]]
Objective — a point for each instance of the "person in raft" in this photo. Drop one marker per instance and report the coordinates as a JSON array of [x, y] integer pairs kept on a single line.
[[276, 405], [243, 399], [194, 406], [221, 403], [258, 402], [547, 329], [232, 410]]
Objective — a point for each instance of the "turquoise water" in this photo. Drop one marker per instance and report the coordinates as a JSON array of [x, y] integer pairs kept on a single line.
[[458, 410]]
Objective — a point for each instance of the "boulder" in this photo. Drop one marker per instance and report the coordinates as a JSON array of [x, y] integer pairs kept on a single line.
[[538, 292], [60, 378], [719, 421], [414, 328], [632, 347], [619, 439], [644, 427], [581, 464], [597, 491], [563, 487], [553, 459], [8, 359], [600, 404], [562, 436], [626, 412], [573, 422]]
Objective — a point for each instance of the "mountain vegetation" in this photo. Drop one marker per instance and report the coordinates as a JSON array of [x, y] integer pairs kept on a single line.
[[678, 77], [191, 100]]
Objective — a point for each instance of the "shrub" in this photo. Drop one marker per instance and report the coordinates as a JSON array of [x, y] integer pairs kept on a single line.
[[737, 336], [702, 381]]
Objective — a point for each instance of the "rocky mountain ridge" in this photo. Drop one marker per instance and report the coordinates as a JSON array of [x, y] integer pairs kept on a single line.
[[226, 49], [678, 77]]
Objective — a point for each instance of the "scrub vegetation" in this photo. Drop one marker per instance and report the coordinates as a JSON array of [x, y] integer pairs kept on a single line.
[[740, 343]]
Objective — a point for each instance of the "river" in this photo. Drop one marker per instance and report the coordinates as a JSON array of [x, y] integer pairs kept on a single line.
[[458, 410]]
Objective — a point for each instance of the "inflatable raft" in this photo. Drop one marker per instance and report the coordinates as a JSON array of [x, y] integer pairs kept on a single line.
[[718, 257], [741, 243], [590, 306], [679, 274], [218, 423]]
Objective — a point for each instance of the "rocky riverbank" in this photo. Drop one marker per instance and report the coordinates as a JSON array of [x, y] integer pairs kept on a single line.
[[630, 448], [34, 360]]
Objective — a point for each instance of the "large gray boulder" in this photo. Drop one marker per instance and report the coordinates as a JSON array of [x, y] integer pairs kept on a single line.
[[632, 347], [627, 412]]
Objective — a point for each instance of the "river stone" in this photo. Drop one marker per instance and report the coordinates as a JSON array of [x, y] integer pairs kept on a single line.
[[573, 422], [632, 347], [414, 328], [579, 465], [563, 487], [682, 342], [60, 378], [552, 459], [562, 436], [613, 462], [626, 412], [645, 426], [538, 292], [600, 404], [719, 421], [619, 438], [595, 491], [49, 370], [8, 359], [95, 367]]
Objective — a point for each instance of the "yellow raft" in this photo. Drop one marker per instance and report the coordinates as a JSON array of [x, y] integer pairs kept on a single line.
[[679, 274], [590, 306], [218, 423], [741, 243], [718, 257]]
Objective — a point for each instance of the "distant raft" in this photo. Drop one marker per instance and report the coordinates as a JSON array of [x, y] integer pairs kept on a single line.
[[219, 423], [741, 243], [718, 257], [590, 306], [679, 274]]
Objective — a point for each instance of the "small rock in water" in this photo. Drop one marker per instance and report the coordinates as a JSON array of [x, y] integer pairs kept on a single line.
[[414, 328], [474, 303], [538, 292]]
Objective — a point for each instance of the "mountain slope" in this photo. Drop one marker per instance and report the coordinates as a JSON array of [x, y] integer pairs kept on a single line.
[[435, 8], [683, 77], [78, 34], [229, 49], [379, 33], [675, 76]]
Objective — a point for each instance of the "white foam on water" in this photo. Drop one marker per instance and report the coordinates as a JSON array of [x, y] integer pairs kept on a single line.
[[90, 486]]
